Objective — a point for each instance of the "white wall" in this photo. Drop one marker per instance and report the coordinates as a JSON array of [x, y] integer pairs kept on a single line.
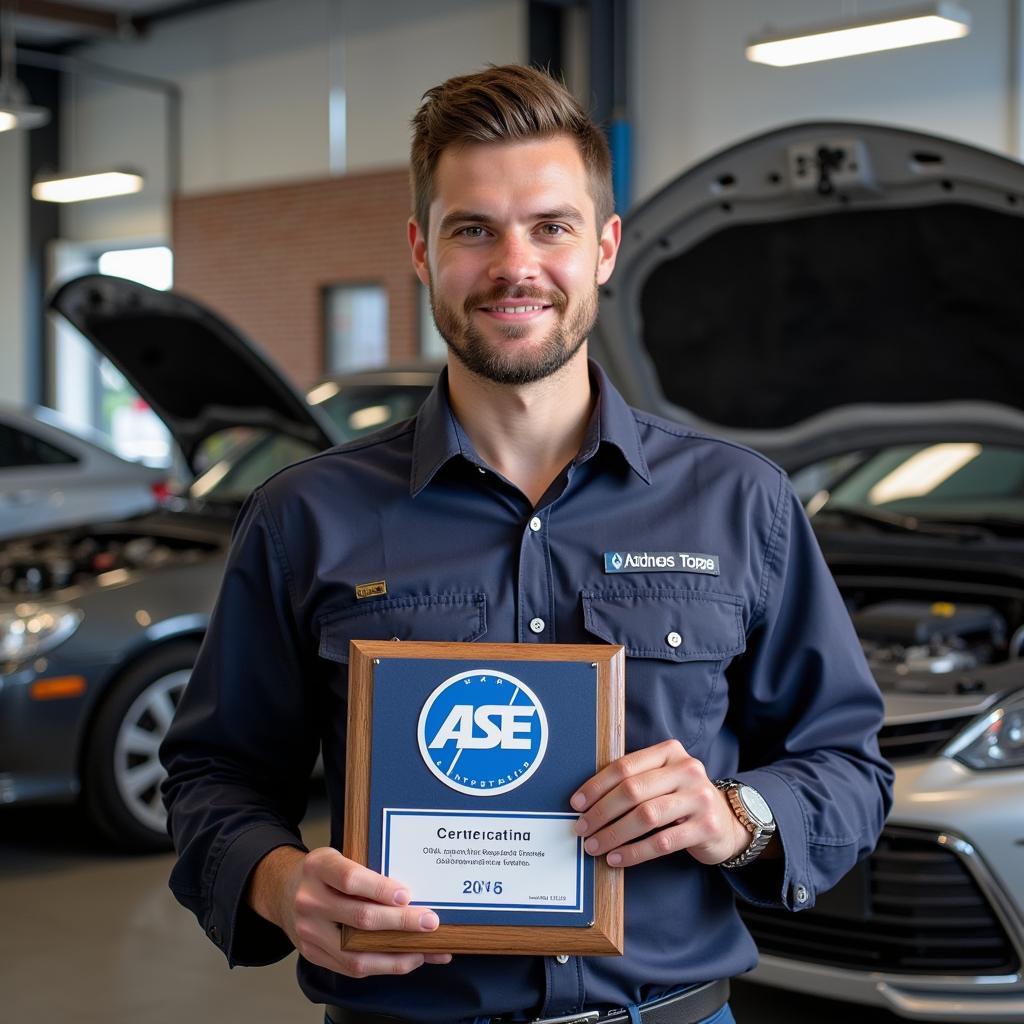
[[693, 91], [13, 256], [255, 80]]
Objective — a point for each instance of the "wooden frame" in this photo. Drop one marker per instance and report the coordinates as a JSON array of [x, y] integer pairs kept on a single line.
[[605, 935]]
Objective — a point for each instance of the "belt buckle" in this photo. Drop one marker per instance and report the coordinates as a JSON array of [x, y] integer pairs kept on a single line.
[[573, 1018]]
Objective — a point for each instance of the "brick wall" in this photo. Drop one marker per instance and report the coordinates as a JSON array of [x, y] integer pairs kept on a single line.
[[262, 258]]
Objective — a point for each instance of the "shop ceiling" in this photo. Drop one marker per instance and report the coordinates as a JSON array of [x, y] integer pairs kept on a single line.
[[51, 25]]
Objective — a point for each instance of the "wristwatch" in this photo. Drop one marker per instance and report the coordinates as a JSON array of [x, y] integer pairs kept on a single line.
[[754, 815]]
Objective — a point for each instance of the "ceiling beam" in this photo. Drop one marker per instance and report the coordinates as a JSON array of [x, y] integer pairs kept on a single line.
[[110, 22]]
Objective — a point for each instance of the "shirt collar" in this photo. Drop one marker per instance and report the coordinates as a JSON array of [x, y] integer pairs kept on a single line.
[[439, 437]]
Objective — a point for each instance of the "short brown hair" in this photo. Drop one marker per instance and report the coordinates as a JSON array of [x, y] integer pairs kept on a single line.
[[504, 104]]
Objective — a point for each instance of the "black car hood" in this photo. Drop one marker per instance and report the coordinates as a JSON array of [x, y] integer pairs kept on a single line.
[[826, 286], [199, 374]]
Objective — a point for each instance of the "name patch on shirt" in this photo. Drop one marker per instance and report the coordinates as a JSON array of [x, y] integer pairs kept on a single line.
[[371, 589], [660, 561]]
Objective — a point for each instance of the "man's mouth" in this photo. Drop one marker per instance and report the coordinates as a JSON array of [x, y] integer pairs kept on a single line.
[[512, 309]]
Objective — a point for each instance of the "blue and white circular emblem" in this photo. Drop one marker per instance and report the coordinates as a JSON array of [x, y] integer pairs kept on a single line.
[[483, 732]]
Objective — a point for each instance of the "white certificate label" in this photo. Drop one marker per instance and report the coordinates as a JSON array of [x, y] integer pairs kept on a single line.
[[511, 861]]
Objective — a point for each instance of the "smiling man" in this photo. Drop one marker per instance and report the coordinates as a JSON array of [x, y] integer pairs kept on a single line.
[[528, 503]]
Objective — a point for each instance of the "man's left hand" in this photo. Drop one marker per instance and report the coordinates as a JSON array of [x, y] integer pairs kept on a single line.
[[663, 795]]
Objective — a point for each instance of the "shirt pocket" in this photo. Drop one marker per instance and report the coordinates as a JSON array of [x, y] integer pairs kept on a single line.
[[677, 643], [436, 617]]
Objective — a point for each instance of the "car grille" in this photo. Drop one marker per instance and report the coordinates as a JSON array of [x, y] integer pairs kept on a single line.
[[912, 908], [919, 739]]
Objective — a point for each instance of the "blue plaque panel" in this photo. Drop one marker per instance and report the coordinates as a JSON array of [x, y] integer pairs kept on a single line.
[[472, 768]]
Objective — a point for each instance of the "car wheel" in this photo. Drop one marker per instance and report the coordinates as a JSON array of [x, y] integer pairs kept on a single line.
[[122, 770]]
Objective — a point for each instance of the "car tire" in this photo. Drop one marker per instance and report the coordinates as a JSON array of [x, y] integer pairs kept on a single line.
[[121, 771]]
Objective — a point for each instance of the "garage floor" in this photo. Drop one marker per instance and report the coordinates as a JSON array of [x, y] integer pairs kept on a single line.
[[92, 937]]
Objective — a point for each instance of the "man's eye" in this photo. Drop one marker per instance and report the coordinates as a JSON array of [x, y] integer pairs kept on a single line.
[[471, 231], [553, 230]]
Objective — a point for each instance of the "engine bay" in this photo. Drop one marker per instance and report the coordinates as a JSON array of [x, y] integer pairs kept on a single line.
[[35, 565]]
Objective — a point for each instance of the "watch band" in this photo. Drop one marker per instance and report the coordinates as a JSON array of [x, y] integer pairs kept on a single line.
[[761, 832]]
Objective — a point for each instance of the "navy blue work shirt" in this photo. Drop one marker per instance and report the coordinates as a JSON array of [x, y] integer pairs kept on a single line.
[[768, 684]]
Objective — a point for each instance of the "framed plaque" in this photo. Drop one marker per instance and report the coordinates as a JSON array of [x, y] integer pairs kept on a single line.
[[461, 761]]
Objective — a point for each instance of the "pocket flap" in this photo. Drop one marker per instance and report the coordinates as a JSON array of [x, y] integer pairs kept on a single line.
[[670, 623], [431, 617]]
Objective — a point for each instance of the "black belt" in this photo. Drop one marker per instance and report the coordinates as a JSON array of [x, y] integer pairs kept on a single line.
[[687, 1007]]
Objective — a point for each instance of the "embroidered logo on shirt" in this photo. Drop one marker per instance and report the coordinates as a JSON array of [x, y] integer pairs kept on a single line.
[[660, 561], [371, 589]]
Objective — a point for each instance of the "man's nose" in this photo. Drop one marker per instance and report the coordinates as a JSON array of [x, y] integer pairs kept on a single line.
[[514, 261]]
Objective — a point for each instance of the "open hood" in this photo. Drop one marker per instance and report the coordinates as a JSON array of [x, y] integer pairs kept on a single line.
[[199, 374], [826, 286]]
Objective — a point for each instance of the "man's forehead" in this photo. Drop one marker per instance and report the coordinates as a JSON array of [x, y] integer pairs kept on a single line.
[[543, 173]]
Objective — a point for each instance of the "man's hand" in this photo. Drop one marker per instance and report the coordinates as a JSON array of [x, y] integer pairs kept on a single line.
[[664, 795], [309, 895]]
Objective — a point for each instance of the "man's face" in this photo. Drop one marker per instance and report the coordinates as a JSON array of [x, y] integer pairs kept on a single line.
[[514, 258]]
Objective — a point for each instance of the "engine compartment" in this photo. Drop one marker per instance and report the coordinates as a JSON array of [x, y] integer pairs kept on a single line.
[[34, 565]]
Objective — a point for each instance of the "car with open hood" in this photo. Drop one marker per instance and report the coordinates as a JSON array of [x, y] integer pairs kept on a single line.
[[845, 298], [100, 622]]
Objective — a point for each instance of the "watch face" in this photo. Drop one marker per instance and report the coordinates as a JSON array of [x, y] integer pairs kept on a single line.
[[755, 805]]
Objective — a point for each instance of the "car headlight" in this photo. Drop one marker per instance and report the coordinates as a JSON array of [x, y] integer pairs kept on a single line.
[[28, 630], [994, 739]]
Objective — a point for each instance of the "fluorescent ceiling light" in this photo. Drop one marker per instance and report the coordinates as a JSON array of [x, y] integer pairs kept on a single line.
[[79, 187], [932, 23]]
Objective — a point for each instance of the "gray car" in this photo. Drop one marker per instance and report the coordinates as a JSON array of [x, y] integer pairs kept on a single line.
[[100, 624], [52, 475], [847, 299]]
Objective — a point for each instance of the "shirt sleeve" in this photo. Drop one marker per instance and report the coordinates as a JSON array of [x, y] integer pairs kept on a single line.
[[242, 745], [807, 711]]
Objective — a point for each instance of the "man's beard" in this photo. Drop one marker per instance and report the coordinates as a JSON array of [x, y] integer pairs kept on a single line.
[[487, 360]]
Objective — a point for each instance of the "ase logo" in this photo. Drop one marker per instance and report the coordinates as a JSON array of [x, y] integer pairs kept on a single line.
[[483, 732]]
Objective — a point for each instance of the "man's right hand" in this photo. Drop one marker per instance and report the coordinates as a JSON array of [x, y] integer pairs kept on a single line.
[[309, 895]]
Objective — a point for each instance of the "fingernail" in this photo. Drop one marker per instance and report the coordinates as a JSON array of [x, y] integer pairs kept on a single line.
[[591, 845], [615, 859], [581, 826], [429, 921], [401, 897], [578, 801]]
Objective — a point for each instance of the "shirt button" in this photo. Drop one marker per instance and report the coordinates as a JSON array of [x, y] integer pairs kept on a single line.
[[537, 625], [480, 469], [800, 894], [674, 639], [535, 524], [562, 958]]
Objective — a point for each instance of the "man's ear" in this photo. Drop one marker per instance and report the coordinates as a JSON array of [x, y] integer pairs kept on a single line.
[[608, 247], [418, 248]]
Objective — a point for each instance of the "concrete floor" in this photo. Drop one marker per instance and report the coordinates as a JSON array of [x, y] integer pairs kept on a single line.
[[88, 936]]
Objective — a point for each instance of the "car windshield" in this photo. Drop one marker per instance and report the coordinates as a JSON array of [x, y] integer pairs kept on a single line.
[[247, 457], [949, 481]]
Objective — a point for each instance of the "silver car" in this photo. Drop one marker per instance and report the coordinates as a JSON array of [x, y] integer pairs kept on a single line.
[[53, 476], [847, 299], [100, 623]]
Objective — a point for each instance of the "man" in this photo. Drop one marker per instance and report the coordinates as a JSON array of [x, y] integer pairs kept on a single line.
[[752, 768]]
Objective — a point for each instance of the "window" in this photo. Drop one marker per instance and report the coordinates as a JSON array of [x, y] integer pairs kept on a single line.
[[432, 346], [357, 327], [89, 390], [20, 449]]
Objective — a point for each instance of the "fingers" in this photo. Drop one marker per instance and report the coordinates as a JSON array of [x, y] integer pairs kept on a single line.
[[651, 803], [335, 891], [363, 965], [628, 766], [344, 892]]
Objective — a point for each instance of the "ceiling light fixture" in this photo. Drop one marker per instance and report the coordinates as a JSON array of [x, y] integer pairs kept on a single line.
[[76, 188], [15, 110], [928, 23]]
